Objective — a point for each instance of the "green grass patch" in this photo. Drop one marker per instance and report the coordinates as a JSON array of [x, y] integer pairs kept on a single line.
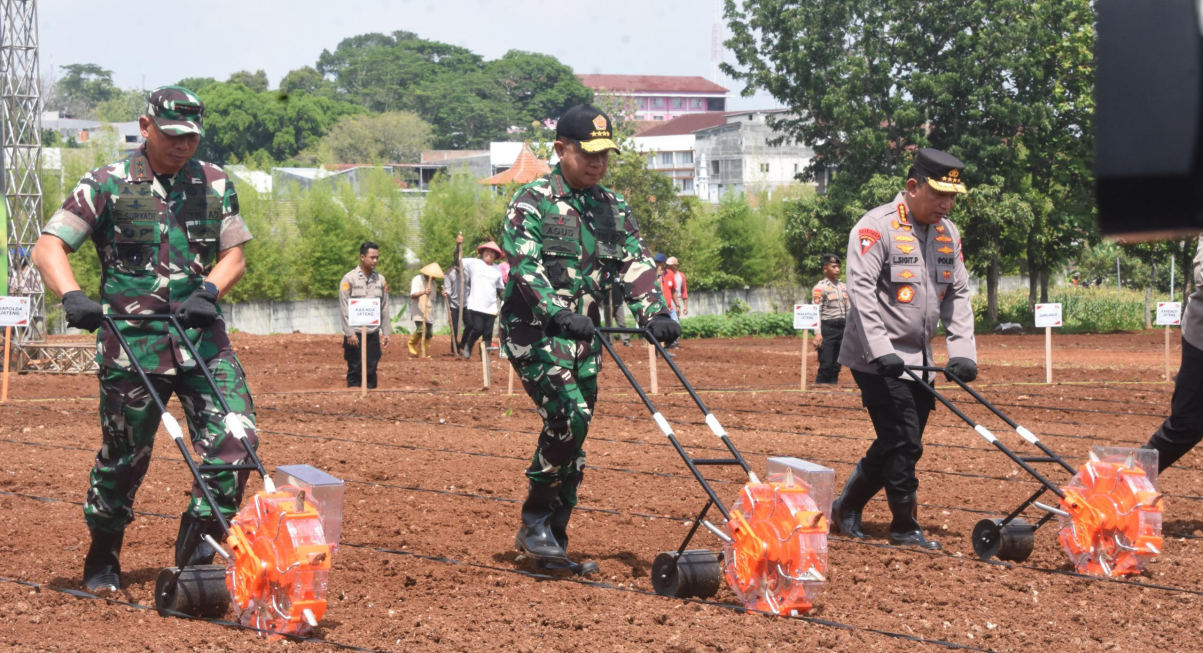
[[1083, 310]]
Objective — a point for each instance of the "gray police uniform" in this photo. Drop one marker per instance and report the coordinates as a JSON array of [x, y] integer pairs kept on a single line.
[[832, 298], [1183, 429], [903, 278], [357, 284]]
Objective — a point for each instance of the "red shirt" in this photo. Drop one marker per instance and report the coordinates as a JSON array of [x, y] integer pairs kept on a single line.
[[668, 281]]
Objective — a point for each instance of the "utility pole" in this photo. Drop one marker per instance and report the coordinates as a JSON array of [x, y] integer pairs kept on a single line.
[[21, 146]]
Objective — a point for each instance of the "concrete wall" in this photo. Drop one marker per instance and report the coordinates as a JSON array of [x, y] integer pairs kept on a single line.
[[321, 315]]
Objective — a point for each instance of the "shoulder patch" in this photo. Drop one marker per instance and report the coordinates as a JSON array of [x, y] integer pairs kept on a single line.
[[346, 286], [867, 238]]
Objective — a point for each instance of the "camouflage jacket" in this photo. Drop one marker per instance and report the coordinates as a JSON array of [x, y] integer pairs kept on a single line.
[[155, 244], [566, 249]]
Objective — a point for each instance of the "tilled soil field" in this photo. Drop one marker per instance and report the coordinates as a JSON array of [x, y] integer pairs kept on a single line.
[[433, 469]]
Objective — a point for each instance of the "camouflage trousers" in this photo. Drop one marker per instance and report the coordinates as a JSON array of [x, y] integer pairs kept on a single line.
[[564, 398], [129, 419]]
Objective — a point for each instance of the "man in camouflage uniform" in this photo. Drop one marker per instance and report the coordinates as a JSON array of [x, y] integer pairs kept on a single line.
[[167, 230], [568, 239], [832, 297], [364, 281], [906, 273]]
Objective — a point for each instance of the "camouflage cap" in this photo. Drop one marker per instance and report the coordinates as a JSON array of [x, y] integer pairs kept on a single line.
[[176, 110]]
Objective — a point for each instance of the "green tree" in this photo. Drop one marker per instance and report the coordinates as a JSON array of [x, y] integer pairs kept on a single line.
[[751, 244], [478, 113], [306, 80], [82, 88], [263, 127], [1006, 86], [196, 84], [393, 137], [536, 86], [378, 71], [658, 210], [456, 203], [123, 107], [256, 81]]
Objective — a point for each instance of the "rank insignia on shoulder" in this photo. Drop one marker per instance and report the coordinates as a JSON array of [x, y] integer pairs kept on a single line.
[[867, 238]]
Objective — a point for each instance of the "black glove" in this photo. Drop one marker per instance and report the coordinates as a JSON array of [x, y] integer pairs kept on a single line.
[[665, 329], [889, 365], [572, 325], [82, 312], [199, 310], [962, 368]]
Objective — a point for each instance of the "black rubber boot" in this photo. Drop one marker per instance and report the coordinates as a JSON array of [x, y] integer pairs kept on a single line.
[[846, 510], [191, 549], [535, 538], [102, 566], [905, 529], [563, 511]]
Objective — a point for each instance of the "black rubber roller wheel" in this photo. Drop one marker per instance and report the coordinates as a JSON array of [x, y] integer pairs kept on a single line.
[[195, 591], [696, 572], [1011, 541]]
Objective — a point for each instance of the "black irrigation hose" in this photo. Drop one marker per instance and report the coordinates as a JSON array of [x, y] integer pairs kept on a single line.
[[971, 448], [608, 586], [80, 594], [726, 606]]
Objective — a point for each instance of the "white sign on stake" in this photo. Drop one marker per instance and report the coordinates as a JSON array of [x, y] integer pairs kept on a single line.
[[14, 311], [1169, 314], [806, 316], [1048, 315], [363, 311]]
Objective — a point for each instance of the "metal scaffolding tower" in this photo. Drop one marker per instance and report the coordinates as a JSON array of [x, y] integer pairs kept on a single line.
[[21, 149]]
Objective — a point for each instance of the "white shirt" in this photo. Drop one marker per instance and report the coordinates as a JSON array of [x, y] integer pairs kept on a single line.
[[416, 304], [486, 281]]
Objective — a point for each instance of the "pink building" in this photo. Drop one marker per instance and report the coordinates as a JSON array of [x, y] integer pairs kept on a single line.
[[659, 97]]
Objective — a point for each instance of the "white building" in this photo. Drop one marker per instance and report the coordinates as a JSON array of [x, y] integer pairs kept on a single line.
[[737, 156]]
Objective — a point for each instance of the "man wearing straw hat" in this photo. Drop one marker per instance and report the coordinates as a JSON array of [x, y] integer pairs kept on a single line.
[[420, 291], [364, 281], [480, 308], [568, 239]]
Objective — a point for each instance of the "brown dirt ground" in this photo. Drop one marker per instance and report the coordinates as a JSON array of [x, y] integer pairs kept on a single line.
[[433, 466]]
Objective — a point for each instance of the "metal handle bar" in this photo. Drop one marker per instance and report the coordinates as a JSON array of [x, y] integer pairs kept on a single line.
[[711, 420], [231, 420], [981, 430], [1022, 431]]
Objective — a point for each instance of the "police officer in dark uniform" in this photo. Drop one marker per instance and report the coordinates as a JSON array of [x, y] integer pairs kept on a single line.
[[906, 274]]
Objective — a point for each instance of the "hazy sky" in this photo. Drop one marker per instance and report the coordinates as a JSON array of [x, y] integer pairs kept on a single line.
[[159, 43]]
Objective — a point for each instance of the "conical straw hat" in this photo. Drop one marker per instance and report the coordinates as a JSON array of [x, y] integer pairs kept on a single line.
[[432, 270]]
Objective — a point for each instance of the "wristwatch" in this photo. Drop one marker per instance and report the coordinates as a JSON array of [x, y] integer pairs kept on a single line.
[[210, 287]]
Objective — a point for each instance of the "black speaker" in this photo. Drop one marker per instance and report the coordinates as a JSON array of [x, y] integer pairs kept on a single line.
[[1149, 118]]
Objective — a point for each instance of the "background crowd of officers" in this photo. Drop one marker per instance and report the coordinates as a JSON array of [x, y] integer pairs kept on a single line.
[[169, 237]]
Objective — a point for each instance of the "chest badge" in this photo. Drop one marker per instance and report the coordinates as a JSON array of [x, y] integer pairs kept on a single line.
[[906, 294]]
